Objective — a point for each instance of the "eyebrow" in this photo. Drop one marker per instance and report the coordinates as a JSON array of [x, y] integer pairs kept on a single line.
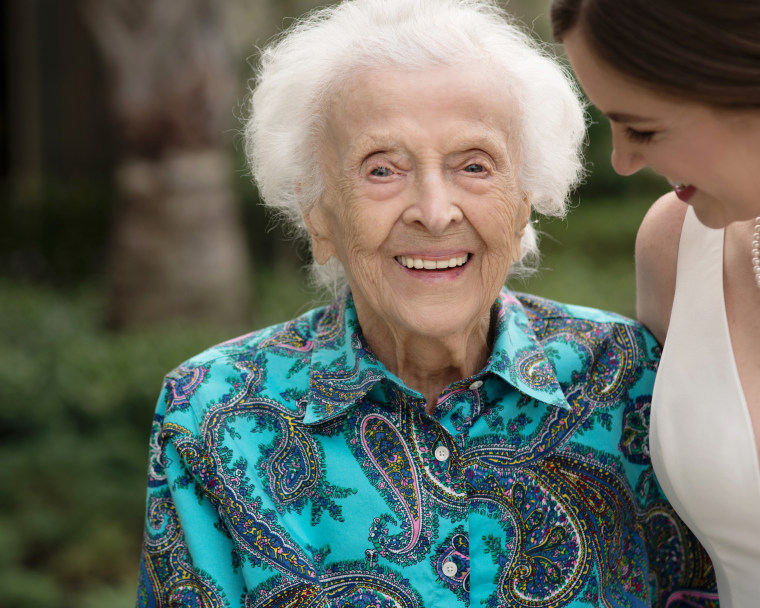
[[629, 118]]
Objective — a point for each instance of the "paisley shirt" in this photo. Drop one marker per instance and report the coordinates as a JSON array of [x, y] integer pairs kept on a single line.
[[290, 468]]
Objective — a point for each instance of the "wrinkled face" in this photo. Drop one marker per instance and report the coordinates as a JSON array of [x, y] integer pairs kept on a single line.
[[422, 205], [711, 156]]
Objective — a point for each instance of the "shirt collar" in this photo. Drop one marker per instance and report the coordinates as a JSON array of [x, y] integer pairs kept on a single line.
[[343, 369], [518, 356]]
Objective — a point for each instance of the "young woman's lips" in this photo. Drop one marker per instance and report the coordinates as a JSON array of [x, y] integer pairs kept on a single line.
[[684, 192]]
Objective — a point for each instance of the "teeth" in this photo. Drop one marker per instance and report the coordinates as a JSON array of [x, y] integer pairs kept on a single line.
[[419, 263], [678, 184]]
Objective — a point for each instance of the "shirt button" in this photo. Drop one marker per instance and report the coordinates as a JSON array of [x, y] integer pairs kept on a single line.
[[442, 453], [450, 569], [476, 385]]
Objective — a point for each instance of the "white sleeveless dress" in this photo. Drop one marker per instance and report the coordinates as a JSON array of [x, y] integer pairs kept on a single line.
[[702, 443]]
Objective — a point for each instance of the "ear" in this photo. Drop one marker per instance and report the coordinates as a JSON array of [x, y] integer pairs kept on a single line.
[[522, 217], [322, 243]]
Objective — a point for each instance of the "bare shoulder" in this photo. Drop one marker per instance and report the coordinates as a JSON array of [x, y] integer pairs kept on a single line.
[[656, 263]]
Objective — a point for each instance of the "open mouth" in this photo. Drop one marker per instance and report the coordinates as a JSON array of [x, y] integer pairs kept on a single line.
[[426, 264]]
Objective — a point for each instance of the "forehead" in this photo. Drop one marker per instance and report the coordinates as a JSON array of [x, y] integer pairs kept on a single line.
[[614, 93], [625, 100], [436, 100]]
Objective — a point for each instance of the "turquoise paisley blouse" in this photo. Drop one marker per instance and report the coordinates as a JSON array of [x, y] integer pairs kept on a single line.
[[290, 468]]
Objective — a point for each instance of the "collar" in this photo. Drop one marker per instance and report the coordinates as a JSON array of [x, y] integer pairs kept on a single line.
[[344, 369], [518, 356]]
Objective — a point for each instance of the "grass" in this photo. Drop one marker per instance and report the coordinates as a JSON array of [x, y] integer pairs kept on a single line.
[[77, 403]]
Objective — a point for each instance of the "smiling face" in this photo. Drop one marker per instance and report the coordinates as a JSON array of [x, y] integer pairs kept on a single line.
[[711, 156], [422, 205]]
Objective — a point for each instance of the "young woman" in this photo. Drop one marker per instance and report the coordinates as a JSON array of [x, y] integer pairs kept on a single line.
[[679, 81]]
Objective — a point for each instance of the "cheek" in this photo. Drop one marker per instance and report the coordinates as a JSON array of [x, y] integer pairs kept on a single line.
[[497, 229], [499, 222], [362, 234]]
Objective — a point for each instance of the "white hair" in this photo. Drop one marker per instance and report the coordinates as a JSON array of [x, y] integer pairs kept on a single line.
[[301, 69]]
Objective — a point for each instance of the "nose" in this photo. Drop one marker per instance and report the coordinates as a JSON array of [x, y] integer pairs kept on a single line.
[[626, 159], [435, 204]]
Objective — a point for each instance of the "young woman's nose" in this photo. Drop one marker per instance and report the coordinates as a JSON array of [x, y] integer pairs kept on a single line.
[[626, 157]]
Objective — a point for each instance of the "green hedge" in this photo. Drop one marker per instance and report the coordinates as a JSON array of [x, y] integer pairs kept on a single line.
[[77, 407]]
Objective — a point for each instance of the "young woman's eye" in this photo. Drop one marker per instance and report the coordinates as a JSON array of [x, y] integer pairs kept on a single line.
[[474, 168], [639, 137], [380, 172]]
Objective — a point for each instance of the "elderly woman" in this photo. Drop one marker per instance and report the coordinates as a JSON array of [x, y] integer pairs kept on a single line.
[[429, 438]]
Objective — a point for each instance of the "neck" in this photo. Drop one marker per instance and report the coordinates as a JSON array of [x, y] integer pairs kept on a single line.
[[430, 363]]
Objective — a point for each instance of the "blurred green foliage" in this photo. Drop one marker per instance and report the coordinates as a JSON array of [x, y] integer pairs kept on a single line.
[[588, 256], [76, 412]]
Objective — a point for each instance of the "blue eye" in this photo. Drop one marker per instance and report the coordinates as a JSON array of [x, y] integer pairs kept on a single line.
[[381, 172], [474, 168]]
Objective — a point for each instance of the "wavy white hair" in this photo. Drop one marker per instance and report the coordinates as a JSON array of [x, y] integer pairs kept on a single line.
[[304, 66]]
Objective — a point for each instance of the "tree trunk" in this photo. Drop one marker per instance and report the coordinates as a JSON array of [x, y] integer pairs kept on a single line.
[[178, 249]]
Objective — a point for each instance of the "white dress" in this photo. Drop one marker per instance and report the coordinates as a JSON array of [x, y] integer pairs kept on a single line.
[[702, 442]]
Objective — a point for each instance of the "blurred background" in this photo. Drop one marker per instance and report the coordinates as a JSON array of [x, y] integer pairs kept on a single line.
[[131, 237]]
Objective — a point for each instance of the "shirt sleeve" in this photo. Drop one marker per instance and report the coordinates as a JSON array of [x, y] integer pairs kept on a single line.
[[188, 558], [680, 569]]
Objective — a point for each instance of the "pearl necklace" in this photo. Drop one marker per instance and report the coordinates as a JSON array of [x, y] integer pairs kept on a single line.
[[756, 251]]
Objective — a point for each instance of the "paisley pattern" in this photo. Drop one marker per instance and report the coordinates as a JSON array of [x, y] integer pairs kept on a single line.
[[455, 550], [289, 468], [349, 585]]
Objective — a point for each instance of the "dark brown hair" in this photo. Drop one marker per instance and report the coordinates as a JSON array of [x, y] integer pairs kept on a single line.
[[704, 50]]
